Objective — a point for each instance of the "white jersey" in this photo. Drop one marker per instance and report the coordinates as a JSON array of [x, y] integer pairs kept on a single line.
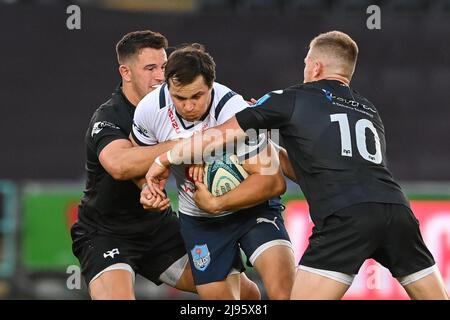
[[156, 120]]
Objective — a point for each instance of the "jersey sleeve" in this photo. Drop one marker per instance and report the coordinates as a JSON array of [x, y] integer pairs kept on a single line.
[[229, 105], [272, 111], [143, 122], [251, 147], [104, 129]]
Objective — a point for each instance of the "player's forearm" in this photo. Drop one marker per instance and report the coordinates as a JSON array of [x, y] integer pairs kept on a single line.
[[192, 150], [252, 191], [134, 162], [286, 165]]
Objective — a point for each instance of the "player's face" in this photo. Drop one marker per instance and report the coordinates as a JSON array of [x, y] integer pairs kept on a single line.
[[147, 70], [192, 100]]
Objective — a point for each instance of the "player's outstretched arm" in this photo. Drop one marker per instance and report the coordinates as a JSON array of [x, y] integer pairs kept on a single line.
[[188, 150], [124, 160], [265, 181]]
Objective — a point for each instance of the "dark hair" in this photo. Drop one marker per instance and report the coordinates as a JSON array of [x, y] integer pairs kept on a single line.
[[187, 63], [133, 42]]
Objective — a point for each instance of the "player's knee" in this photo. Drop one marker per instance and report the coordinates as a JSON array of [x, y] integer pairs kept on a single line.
[[220, 290], [279, 292], [250, 291], [279, 289]]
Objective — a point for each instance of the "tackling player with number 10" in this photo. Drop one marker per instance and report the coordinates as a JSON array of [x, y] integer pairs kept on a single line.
[[335, 140]]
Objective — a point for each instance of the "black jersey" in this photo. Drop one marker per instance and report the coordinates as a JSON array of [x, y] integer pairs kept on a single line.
[[109, 205], [336, 143]]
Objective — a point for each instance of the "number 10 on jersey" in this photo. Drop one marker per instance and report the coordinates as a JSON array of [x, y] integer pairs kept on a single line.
[[360, 131]]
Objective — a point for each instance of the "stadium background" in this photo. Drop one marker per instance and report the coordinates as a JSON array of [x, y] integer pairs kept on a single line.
[[52, 79]]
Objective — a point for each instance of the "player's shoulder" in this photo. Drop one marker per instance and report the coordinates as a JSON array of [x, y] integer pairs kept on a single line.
[[154, 100], [275, 96], [106, 116], [305, 90], [220, 89], [304, 87], [356, 93], [117, 106], [222, 93], [106, 111], [224, 96]]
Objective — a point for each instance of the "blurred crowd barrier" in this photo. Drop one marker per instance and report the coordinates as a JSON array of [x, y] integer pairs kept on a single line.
[[36, 260]]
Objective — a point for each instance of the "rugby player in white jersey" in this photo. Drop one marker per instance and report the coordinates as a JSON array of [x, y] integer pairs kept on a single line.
[[190, 101]]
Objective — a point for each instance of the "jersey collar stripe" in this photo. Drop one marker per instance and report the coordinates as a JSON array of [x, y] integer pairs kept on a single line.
[[209, 108], [190, 126], [181, 120], [222, 102], [162, 96]]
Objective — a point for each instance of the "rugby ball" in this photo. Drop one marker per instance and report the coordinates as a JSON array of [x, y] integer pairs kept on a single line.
[[223, 174]]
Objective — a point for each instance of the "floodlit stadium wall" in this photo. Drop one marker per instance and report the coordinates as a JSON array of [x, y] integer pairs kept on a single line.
[[404, 73]]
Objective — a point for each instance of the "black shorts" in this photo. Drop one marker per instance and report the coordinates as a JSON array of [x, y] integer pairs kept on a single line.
[[148, 254], [387, 233]]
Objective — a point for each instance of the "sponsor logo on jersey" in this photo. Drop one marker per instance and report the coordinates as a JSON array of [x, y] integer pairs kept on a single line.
[[201, 257], [328, 95], [111, 253], [98, 126], [343, 102], [188, 189], [173, 121], [141, 130]]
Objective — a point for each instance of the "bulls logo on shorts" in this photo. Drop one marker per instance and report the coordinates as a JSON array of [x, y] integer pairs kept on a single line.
[[201, 257]]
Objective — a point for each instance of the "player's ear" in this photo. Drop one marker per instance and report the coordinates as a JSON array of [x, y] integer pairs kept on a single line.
[[125, 72], [318, 68]]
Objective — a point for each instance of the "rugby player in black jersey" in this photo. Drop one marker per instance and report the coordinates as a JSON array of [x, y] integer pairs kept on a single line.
[[335, 141], [114, 237]]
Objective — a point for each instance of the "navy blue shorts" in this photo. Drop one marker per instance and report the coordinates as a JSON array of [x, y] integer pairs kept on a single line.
[[213, 244]]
